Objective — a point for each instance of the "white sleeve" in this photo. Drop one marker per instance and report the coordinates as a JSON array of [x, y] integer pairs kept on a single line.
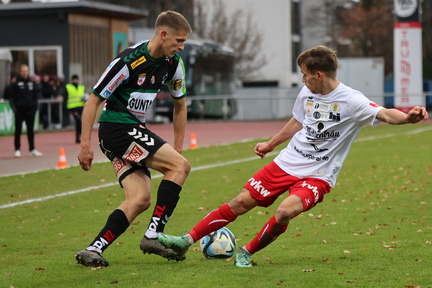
[[363, 109], [177, 85], [298, 110]]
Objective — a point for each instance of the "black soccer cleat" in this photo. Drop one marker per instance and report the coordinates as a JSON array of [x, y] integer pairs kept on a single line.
[[91, 258], [152, 246]]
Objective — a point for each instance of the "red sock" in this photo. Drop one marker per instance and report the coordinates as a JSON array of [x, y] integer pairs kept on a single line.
[[267, 235], [213, 221]]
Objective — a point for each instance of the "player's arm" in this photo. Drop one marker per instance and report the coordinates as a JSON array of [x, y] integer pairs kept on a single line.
[[177, 88], [396, 117], [86, 154], [179, 123], [287, 132]]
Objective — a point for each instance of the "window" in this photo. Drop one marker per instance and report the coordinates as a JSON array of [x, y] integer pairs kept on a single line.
[[41, 60]]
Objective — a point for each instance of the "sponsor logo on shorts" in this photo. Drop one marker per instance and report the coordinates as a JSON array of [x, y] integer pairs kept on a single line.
[[255, 184], [135, 153], [119, 166], [314, 190]]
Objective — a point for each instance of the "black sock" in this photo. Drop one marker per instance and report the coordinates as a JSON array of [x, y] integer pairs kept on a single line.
[[167, 198], [116, 224]]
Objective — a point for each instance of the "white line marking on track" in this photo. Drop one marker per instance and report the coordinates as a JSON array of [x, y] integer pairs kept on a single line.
[[414, 131]]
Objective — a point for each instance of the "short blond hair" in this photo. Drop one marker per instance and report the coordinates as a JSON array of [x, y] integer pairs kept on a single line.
[[173, 20]]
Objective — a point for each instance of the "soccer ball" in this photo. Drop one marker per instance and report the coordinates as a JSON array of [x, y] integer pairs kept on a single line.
[[218, 244]]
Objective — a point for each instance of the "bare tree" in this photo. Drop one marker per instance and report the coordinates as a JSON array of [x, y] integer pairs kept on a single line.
[[369, 27], [236, 31], [361, 28]]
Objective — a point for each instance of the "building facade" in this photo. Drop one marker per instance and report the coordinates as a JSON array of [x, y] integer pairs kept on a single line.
[[65, 38]]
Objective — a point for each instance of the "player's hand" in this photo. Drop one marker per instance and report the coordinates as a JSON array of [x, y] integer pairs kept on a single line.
[[85, 158], [417, 114], [262, 148]]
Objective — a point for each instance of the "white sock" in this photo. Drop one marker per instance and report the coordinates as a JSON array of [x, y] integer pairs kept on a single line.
[[151, 234], [189, 238]]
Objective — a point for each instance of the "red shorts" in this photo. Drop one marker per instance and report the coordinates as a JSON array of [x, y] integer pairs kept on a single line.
[[271, 181]]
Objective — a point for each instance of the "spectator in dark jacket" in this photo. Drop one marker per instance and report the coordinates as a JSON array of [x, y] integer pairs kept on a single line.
[[23, 97]]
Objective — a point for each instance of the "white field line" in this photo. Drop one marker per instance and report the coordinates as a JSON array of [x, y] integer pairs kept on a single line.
[[415, 131]]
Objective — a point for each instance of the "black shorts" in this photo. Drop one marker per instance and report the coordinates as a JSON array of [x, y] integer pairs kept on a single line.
[[127, 146]]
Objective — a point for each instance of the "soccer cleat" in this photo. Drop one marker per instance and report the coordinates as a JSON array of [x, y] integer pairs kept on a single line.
[[243, 259], [17, 153], [152, 246], [35, 153], [180, 244], [91, 258]]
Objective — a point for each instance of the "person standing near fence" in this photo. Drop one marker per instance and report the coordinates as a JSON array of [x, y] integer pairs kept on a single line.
[[23, 97], [75, 103]]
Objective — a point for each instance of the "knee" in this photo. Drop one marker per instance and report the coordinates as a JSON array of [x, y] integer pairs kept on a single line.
[[186, 166], [283, 216], [242, 203], [238, 207], [143, 205], [183, 167], [138, 205]]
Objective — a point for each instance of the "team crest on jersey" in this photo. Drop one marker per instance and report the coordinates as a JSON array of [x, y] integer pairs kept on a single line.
[[335, 107], [141, 79], [153, 80]]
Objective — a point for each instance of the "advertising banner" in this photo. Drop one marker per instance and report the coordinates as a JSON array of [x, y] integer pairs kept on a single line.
[[7, 120], [408, 55]]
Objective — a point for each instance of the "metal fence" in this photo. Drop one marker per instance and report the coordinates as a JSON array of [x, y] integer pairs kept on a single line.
[[52, 107], [277, 103], [250, 104]]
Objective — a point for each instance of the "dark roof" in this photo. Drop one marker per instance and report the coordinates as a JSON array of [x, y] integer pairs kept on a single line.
[[83, 7]]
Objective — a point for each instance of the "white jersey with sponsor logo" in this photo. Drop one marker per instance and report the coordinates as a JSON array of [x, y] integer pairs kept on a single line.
[[330, 124]]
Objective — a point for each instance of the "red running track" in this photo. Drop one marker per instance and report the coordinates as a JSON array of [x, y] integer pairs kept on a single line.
[[49, 143]]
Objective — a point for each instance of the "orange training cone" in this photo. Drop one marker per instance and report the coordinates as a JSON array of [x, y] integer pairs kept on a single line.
[[193, 141], [62, 159]]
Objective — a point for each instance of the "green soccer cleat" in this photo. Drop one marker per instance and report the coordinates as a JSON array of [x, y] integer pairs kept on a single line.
[[243, 259], [180, 244], [91, 258], [152, 246]]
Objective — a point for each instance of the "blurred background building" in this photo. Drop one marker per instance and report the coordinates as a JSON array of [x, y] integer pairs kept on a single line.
[[63, 37]]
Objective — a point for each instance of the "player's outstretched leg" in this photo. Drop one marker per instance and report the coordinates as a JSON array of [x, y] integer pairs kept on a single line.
[[152, 246], [244, 259], [180, 244], [91, 258]]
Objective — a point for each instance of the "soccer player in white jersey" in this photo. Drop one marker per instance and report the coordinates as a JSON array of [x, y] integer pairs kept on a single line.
[[327, 117]]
